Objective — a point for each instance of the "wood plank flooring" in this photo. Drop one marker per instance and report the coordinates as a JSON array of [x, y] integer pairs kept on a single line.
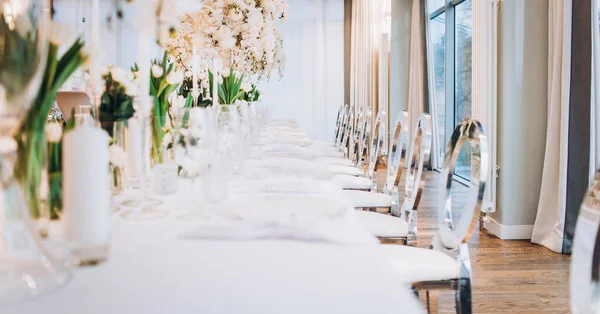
[[508, 276]]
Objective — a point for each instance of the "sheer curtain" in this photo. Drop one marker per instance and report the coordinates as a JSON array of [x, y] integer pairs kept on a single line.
[[417, 77], [549, 224], [312, 87]]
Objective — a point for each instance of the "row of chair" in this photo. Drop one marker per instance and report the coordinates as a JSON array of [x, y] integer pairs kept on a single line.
[[426, 268]]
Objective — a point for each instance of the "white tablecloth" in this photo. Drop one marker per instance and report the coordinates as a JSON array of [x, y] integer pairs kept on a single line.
[[156, 267], [152, 270]]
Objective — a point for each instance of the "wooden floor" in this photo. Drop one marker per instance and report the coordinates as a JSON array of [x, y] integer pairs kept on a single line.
[[508, 276]]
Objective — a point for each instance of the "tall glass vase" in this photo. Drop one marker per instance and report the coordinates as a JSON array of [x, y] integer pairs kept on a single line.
[[26, 270]]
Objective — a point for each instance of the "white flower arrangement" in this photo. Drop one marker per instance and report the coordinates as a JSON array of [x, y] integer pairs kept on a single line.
[[240, 32]]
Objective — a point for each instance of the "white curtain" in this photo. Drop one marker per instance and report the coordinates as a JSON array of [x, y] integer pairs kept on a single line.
[[416, 56], [312, 88], [484, 65], [366, 36], [550, 221]]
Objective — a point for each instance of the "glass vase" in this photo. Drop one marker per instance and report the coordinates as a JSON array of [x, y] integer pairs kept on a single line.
[[26, 270], [118, 154]]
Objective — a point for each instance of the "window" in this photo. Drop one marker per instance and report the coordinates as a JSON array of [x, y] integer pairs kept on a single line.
[[450, 30]]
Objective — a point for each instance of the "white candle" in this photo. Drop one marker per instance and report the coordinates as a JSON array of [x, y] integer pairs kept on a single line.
[[86, 197], [215, 84], [133, 140], [95, 66], [194, 72], [144, 64]]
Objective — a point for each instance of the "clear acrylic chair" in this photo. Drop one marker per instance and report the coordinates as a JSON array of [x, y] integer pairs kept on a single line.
[[434, 269], [585, 257], [401, 223]]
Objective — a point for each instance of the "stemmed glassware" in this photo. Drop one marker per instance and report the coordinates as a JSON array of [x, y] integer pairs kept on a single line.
[[193, 142], [26, 270], [143, 207]]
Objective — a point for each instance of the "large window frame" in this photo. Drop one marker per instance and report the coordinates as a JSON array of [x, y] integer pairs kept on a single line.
[[450, 38]]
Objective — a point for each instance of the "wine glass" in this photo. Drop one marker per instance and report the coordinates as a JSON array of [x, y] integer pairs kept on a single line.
[[192, 143], [230, 139], [142, 207], [26, 269]]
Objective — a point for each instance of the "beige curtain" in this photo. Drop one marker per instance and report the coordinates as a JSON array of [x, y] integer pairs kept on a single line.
[[365, 36], [549, 224], [417, 65]]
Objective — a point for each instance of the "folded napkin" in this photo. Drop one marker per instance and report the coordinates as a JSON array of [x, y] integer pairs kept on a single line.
[[290, 217], [325, 233]]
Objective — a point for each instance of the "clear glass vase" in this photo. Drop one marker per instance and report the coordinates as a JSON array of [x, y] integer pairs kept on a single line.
[[26, 270]]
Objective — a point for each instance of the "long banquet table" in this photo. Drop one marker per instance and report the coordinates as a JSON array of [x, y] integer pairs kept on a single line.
[[158, 266]]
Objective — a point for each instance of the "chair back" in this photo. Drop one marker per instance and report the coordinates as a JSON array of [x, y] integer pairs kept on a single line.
[[585, 258], [338, 124], [377, 139], [348, 133], [69, 101], [342, 127], [450, 235], [419, 152], [397, 153], [363, 141]]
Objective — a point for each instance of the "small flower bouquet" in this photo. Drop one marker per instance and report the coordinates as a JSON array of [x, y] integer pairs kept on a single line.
[[116, 103], [164, 81]]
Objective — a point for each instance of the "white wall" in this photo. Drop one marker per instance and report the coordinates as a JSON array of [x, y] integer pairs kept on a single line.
[[119, 43], [313, 86]]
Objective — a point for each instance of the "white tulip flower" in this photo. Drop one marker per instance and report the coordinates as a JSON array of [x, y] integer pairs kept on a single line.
[[131, 89], [119, 75], [117, 155], [225, 72], [7, 144], [60, 34], [175, 78], [53, 132], [246, 86], [23, 25], [157, 71]]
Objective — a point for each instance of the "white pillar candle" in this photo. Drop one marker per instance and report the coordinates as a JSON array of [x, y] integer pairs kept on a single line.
[[194, 71], [144, 64], [134, 144], [86, 187], [95, 65], [215, 84]]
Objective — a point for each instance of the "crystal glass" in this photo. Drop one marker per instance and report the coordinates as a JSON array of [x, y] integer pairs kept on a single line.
[[143, 206], [117, 155], [26, 269], [230, 139], [195, 153]]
